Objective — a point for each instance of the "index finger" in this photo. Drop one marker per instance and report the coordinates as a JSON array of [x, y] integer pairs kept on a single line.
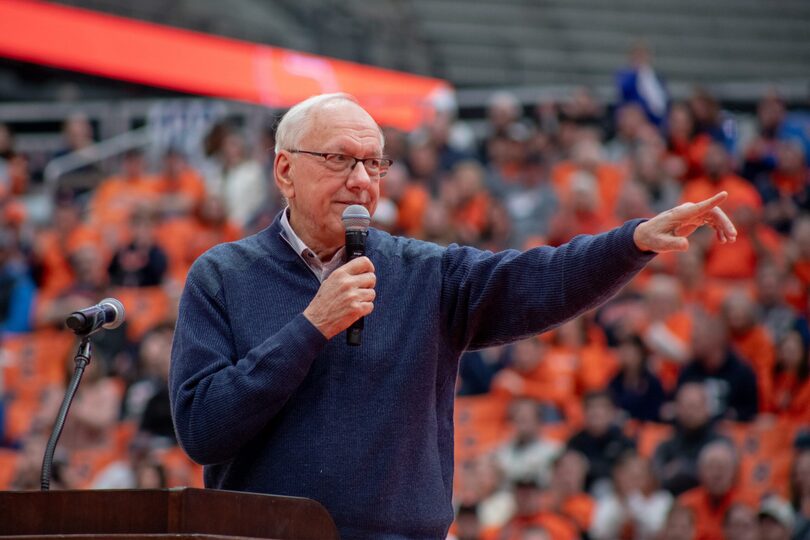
[[359, 265], [707, 204]]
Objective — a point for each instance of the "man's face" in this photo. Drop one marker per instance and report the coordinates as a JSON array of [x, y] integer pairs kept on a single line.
[[691, 408], [317, 195], [717, 471], [715, 160], [599, 415], [741, 523]]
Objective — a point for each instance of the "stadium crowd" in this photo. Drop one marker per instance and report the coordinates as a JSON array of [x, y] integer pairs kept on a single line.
[[677, 411]]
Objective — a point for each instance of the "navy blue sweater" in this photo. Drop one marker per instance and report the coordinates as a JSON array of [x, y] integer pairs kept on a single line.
[[269, 405]]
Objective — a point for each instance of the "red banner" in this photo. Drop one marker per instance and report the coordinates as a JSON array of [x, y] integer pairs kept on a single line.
[[197, 63]]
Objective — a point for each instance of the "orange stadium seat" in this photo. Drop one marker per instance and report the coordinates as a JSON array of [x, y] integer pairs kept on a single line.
[[765, 454], [180, 470], [650, 435], [19, 415], [85, 464], [34, 360], [480, 425], [8, 465]]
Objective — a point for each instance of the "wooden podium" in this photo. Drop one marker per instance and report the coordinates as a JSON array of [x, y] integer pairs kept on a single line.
[[180, 513]]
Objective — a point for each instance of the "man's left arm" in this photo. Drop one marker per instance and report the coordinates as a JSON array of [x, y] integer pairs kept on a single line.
[[488, 299], [496, 298]]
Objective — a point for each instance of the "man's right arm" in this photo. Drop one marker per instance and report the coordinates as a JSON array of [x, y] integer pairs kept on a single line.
[[220, 401]]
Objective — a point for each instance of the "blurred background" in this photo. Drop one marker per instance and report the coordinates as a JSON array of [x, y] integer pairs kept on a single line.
[[136, 135]]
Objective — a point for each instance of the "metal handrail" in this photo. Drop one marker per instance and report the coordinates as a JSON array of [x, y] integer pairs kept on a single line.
[[114, 146]]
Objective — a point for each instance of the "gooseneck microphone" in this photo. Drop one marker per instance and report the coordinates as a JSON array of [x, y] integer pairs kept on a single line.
[[356, 220], [109, 314]]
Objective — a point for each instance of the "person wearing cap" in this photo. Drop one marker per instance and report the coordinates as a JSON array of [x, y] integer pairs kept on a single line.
[[269, 397], [776, 519]]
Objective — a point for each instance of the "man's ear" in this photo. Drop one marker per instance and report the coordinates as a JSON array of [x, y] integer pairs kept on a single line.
[[282, 169]]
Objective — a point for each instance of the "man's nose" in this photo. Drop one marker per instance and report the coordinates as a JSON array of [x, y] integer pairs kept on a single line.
[[358, 177]]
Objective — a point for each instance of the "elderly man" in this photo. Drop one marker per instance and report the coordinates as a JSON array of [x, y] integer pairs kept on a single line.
[[268, 401], [719, 490]]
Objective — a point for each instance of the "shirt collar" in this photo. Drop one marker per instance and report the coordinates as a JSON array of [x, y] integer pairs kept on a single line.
[[319, 268]]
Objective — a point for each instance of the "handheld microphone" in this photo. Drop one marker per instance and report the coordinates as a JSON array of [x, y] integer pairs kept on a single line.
[[109, 314], [356, 220]]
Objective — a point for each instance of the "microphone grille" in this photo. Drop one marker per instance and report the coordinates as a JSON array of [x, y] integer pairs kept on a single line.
[[119, 313], [356, 218]]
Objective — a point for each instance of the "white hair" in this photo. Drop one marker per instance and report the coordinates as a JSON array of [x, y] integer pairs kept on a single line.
[[294, 124], [715, 446]]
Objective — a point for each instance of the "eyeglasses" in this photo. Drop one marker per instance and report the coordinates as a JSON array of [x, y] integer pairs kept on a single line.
[[341, 163]]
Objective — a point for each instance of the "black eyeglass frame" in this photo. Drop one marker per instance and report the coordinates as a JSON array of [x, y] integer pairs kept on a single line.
[[385, 163]]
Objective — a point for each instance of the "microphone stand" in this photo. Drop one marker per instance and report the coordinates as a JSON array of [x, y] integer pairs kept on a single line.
[[82, 359]]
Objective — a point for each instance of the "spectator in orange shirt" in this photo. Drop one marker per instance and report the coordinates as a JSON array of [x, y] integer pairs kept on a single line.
[[115, 197], [89, 286], [699, 291], [751, 341], [410, 198], [566, 496], [583, 344], [530, 515], [687, 148], [470, 203], [791, 392], [530, 373], [183, 240], [53, 245], [582, 212], [587, 157], [719, 177], [755, 241], [718, 468], [181, 188]]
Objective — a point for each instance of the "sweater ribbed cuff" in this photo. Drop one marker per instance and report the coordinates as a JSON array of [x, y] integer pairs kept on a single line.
[[299, 342], [634, 251]]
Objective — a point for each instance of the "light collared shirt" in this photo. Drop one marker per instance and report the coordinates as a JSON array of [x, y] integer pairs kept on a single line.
[[319, 268]]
